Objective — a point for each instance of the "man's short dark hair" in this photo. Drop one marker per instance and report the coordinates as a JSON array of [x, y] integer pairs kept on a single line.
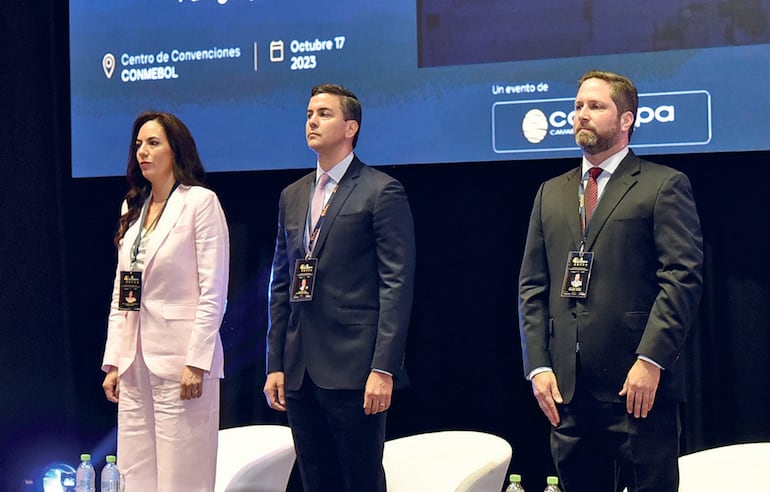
[[351, 106], [622, 92]]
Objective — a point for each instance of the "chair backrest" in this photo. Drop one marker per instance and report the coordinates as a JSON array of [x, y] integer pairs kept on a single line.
[[254, 458], [460, 461], [733, 467]]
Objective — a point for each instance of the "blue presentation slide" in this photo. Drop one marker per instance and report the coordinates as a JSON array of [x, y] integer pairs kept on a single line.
[[439, 81]]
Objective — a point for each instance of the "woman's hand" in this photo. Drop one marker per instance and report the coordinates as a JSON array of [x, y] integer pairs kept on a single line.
[[111, 385], [191, 386]]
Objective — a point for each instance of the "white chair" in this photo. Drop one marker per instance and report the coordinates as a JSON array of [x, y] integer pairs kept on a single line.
[[734, 467], [254, 458], [460, 461]]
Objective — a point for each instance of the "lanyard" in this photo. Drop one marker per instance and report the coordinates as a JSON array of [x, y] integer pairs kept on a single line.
[[145, 207], [317, 228], [582, 213], [582, 209]]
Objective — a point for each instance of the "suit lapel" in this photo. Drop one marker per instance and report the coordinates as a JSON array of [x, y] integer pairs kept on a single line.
[[346, 186], [569, 194], [166, 222], [128, 244], [301, 203], [622, 180]]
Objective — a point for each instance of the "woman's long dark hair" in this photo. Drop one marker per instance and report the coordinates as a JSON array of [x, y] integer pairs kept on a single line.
[[188, 169]]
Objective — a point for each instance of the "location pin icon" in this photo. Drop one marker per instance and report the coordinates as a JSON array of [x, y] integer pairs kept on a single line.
[[108, 64]]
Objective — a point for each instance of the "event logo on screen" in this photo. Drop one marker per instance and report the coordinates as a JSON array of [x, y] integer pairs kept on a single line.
[[664, 119]]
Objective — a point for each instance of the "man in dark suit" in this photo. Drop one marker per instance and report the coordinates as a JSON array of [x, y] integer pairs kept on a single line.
[[603, 358], [335, 352]]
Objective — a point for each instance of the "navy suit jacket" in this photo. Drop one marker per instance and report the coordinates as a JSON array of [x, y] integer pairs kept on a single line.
[[645, 285], [359, 315]]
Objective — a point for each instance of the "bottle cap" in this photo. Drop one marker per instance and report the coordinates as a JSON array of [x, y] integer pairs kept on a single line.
[[515, 478], [111, 458], [552, 480], [85, 457]]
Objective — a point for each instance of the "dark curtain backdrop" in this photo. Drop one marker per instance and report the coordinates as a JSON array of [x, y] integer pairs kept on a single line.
[[57, 261]]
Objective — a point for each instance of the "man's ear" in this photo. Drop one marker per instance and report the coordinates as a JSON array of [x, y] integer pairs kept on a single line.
[[627, 120], [352, 128]]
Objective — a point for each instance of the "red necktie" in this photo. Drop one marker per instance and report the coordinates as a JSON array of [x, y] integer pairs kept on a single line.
[[318, 200], [592, 191]]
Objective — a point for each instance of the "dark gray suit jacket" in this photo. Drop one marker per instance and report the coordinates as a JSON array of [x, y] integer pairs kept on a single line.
[[645, 285], [359, 315]]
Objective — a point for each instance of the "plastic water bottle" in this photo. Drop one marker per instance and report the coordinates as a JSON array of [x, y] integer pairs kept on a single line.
[[515, 484], [110, 476], [553, 484], [85, 477]]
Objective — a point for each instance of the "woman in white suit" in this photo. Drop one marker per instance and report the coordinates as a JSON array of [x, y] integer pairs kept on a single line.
[[163, 355]]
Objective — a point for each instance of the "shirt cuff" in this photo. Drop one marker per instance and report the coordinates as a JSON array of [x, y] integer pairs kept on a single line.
[[647, 359], [534, 372]]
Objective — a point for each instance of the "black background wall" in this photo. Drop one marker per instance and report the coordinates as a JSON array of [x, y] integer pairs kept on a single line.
[[57, 261]]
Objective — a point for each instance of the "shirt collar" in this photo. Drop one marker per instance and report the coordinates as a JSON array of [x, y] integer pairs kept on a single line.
[[609, 165], [337, 171]]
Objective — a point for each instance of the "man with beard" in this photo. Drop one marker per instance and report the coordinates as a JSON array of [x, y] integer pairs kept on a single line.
[[603, 359]]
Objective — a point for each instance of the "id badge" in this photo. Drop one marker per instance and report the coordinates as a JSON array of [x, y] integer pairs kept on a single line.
[[577, 274], [130, 291], [304, 280]]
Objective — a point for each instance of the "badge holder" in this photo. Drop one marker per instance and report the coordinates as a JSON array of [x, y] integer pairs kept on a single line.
[[303, 282], [130, 291], [577, 274]]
